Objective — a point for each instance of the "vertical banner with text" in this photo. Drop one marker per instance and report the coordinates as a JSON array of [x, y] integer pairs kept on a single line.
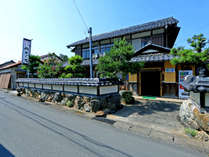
[[26, 51]]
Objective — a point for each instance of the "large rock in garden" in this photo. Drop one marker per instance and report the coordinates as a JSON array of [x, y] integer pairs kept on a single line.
[[191, 116]]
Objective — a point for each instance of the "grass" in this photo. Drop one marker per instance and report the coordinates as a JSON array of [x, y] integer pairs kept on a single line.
[[191, 132]]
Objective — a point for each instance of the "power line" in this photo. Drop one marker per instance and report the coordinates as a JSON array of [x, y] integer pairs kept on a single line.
[[81, 16]]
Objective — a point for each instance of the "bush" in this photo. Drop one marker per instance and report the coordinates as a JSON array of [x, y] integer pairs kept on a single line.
[[69, 103], [127, 97], [191, 132]]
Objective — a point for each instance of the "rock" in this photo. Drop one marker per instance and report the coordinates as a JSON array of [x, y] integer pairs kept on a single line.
[[50, 97], [100, 114], [64, 101], [191, 116], [57, 98], [202, 120], [79, 103], [43, 97], [27, 92], [87, 107], [95, 105], [203, 136]]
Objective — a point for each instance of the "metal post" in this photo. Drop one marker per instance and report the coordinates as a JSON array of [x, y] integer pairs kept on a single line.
[[90, 51]]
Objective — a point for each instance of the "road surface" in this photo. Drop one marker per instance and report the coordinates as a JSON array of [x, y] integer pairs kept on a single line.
[[32, 129]]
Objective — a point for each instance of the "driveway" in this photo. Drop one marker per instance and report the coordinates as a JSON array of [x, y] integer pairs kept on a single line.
[[31, 128], [153, 113]]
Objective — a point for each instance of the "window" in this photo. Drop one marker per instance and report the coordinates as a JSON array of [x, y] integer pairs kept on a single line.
[[136, 44], [85, 53], [144, 43], [106, 48]]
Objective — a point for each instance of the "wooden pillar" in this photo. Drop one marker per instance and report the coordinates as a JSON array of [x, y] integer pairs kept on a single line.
[[139, 83], [161, 85]]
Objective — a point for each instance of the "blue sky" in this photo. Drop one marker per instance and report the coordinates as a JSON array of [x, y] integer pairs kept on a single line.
[[52, 24]]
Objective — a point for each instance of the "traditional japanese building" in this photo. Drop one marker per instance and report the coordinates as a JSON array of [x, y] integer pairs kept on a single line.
[[152, 42], [9, 72]]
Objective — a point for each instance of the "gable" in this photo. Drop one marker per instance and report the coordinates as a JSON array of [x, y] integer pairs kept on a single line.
[[152, 49]]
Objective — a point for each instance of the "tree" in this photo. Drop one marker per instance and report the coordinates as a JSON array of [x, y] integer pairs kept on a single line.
[[74, 69], [32, 67], [63, 57], [118, 61], [198, 54], [51, 68]]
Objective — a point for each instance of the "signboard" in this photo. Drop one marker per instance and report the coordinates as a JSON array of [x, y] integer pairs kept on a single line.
[[169, 69], [26, 51], [182, 75]]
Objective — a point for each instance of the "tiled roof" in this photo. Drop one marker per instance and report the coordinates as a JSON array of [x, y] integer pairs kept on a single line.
[[6, 63], [141, 58], [11, 65], [152, 48], [152, 58], [133, 29], [70, 81]]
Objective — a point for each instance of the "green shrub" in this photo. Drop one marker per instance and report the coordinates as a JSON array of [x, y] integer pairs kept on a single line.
[[69, 103], [127, 97], [191, 132]]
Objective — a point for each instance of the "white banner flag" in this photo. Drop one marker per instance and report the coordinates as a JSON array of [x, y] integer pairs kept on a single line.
[[26, 51]]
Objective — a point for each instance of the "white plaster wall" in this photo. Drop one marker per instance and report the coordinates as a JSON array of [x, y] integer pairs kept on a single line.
[[108, 89], [46, 86], [70, 88], [88, 90], [57, 87]]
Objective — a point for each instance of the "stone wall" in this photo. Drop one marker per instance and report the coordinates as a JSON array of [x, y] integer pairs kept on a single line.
[[109, 104]]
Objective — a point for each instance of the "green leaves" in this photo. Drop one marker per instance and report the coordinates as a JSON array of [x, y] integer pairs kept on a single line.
[[51, 68], [198, 54], [117, 60], [34, 62], [74, 68]]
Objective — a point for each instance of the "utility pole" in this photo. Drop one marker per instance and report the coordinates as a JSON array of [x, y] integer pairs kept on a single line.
[[90, 51]]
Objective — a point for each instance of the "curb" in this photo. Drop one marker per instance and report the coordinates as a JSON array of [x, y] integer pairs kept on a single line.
[[159, 134]]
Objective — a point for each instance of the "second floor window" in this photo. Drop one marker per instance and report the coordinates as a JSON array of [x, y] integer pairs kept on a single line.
[[85, 53], [106, 48]]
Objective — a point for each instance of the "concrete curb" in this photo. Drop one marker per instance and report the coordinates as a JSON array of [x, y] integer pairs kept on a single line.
[[157, 133]]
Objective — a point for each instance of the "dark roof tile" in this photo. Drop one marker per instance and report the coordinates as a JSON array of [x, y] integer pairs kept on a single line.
[[138, 28]]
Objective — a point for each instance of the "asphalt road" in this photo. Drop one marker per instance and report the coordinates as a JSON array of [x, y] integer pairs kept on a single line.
[[32, 129]]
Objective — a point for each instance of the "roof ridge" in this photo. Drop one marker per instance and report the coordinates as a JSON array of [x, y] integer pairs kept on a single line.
[[130, 29], [146, 23]]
